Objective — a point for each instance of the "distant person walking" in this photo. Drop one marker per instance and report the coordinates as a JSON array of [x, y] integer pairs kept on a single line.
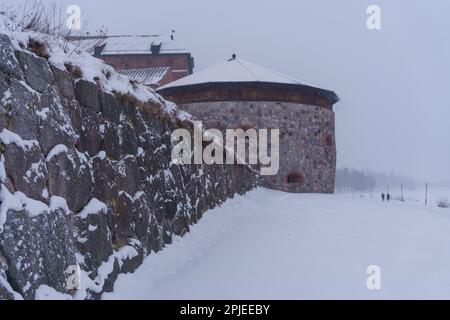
[[382, 196], [388, 197]]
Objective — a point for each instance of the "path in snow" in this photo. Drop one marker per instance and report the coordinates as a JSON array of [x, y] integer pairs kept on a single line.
[[273, 245]]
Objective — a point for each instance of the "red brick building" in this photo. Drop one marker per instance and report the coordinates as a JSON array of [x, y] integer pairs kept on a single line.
[[153, 60]]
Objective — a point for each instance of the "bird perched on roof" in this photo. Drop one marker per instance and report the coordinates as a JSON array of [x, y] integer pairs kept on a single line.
[[233, 57]]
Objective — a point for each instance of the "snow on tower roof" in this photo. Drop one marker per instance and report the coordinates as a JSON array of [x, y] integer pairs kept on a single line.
[[235, 70]]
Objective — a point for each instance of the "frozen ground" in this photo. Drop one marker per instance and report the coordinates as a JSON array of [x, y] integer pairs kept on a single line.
[[274, 245]]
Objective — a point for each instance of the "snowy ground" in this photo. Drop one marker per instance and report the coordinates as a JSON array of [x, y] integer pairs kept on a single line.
[[274, 245]]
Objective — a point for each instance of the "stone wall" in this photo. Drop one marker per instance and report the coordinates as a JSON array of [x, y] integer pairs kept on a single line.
[[307, 138], [86, 179]]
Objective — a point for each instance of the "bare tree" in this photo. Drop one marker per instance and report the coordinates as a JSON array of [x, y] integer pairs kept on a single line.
[[47, 18]]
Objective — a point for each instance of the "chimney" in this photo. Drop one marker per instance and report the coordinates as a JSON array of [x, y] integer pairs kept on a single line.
[[155, 48]]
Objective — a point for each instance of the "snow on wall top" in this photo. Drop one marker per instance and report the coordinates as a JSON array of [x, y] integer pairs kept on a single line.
[[93, 69], [235, 70]]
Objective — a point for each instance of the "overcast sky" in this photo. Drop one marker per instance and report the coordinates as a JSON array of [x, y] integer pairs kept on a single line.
[[393, 83]]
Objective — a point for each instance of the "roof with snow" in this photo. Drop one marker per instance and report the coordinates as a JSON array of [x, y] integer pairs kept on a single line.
[[146, 76], [142, 44], [132, 44], [235, 70]]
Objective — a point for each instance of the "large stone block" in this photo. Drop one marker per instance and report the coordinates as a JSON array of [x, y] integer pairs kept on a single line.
[[39, 250], [64, 82], [90, 135], [75, 114], [103, 174], [167, 232], [87, 94], [21, 107], [180, 224], [36, 69], [108, 285], [110, 107], [55, 126], [155, 241], [24, 252], [155, 190], [25, 166], [8, 61], [112, 140], [69, 176], [141, 213], [130, 141], [130, 109], [127, 173], [133, 256], [93, 237], [125, 224], [58, 249]]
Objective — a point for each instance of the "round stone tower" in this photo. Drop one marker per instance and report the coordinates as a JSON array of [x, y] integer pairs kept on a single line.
[[239, 94]]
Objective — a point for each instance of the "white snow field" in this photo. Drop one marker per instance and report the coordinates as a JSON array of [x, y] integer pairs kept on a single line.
[[274, 245]]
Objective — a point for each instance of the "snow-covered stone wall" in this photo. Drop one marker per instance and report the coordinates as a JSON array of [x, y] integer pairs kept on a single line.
[[87, 187]]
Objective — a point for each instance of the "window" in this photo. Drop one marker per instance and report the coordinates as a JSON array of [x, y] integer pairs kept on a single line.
[[295, 177]]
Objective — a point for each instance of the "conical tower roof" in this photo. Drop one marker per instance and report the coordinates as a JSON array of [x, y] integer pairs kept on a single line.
[[235, 70]]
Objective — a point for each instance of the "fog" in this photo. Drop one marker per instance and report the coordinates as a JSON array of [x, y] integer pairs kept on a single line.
[[393, 83]]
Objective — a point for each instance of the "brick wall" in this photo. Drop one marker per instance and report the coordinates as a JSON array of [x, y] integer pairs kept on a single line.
[[179, 64]]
